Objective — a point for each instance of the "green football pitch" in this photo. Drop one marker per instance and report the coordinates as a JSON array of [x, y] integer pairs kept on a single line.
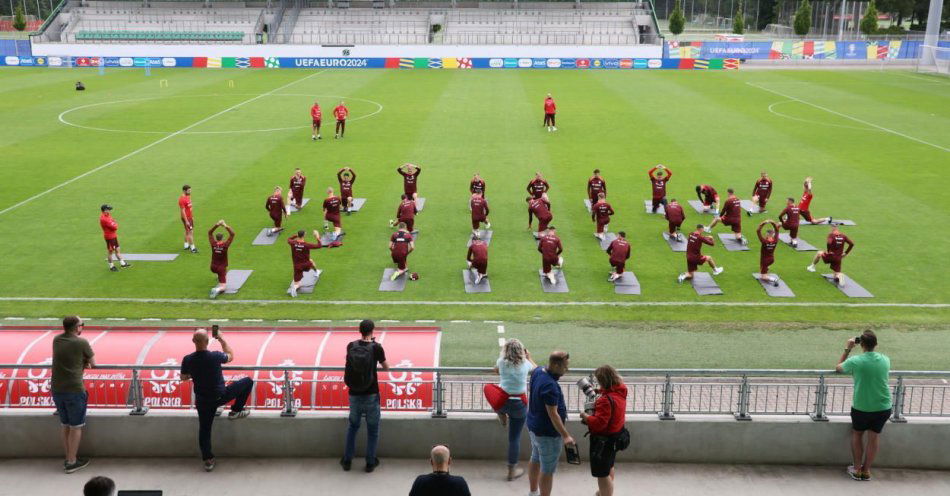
[[877, 144]]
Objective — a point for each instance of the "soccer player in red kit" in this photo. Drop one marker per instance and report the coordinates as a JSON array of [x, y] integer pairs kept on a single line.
[[331, 214], [277, 210], [317, 115], [659, 177], [619, 251], [477, 185], [406, 213], [675, 216], [761, 192], [341, 113], [187, 218], [347, 178], [300, 254], [731, 215], [550, 108], [834, 253], [540, 208], [790, 219], [298, 182], [595, 186], [805, 204], [551, 249], [479, 212], [109, 227], [477, 258], [600, 213], [400, 246], [767, 252], [694, 254], [219, 256], [410, 179], [538, 187], [708, 195]]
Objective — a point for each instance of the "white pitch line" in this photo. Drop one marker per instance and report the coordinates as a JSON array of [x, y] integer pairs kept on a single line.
[[185, 320], [425, 321], [151, 319], [501, 329], [115, 318], [501, 342], [493, 322], [321, 320], [846, 116], [218, 320], [459, 321], [13, 318], [47, 318], [253, 320], [156, 142], [389, 321], [286, 320]]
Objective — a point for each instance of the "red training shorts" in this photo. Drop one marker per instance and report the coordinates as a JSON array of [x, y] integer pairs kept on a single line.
[[112, 244], [833, 260], [221, 271]]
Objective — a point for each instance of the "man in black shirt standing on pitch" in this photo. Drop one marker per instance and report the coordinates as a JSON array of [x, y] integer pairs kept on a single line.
[[360, 377], [439, 482]]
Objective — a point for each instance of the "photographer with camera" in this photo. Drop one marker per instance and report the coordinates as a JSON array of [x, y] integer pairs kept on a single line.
[[547, 414], [871, 403], [509, 398], [605, 414]]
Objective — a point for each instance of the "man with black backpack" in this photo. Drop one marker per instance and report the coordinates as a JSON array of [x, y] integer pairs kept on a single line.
[[362, 356]]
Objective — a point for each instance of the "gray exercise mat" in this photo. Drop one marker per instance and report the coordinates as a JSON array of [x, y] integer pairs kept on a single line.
[[802, 244], [627, 283], [327, 237], [704, 284], [468, 279], [675, 245], [291, 208], [731, 244], [485, 234], [648, 206], [310, 279], [780, 291], [850, 288], [698, 207], [834, 220], [420, 204], [236, 279], [748, 206], [587, 204], [149, 257], [398, 285], [263, 239], [609, 237], [357, 204], [547, 287]]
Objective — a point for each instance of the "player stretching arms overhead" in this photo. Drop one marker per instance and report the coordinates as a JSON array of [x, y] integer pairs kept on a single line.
[[298, 182], [550, 108], [790, 219], [479, 212], [600, 213], [834, 253], [761, 193], [219, 256], [694, 254], [300, 255], [109, 227], [478, 258], [346, 178], [595, 186], [675, 216], [277, 210], [551, 249], [405, 214], [767, 252], [731, 215], [707, 194], [659, 177], [477, 185], [540, 208], [400, 246], [805, 204], [341, 113], [619, 251], [331, 214], [316, 115], [538, 187], [184, 209], [410, 179]]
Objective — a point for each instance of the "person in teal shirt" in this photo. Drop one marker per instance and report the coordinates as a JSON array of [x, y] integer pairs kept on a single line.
[[871, 403]]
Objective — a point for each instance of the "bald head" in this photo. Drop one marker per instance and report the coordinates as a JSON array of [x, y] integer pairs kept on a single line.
[[440, 458], [200, 338]]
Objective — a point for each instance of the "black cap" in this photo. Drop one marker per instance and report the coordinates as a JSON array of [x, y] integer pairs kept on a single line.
[[104, 207]]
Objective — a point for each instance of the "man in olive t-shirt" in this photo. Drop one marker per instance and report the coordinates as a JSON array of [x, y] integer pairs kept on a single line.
[[871, 403], [71, 355]]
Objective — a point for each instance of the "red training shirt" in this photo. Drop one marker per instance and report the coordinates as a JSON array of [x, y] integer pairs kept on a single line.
[[109, 226]]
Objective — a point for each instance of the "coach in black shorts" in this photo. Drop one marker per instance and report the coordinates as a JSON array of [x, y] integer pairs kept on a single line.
[[871, 404]]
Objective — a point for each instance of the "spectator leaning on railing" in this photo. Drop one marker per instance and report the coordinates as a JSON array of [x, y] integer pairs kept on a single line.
[[547, 413], [606, 425], [871, 403], [71, 355], [509, 398]]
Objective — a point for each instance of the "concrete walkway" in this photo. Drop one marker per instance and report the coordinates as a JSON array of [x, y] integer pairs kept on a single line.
[[320, 476]]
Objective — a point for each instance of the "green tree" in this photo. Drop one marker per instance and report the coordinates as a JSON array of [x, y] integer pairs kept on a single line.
[[19, 20], [803, 18], [677, 20], [869, 21], [738, 23]]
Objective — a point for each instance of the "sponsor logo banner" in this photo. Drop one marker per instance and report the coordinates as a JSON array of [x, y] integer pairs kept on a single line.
[[739, 50], [596, 64], [54, 61], [11, 60], [524, 63], [26, 61], [568, 63], [110, 61], [554, 63], [539, 63], [140, 61], [339, 63], [126, 62], [496, 63], [168, 62], [40, 61], [511, 63], [626, 63], [654, 64], [611, 63], [582, 63]]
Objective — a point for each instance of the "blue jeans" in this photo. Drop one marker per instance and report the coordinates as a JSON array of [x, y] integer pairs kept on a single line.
[[207, 407], [71, 408], [517, 411], [360, 405]]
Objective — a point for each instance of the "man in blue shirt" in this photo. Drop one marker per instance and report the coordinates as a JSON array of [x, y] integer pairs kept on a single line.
[[203, 367], [546, 416]]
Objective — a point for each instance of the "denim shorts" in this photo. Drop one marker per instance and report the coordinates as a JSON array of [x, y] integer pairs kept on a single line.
[[546, 450], [71, 408]]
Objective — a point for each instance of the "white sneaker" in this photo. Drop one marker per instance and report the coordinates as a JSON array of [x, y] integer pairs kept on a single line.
[[681, 278], [478, 279], [718, 270], [313, 137], [553, 128], [679, 236], [613, 277], [213, 294], [840, 283], [810, 268], [319, 137], [743, 241], [551, 278], [560, 261], [794, 243], [293, 291], [395, 275], [487, 226]]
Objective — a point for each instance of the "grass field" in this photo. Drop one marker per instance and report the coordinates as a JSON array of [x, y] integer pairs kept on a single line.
[[877, 144]]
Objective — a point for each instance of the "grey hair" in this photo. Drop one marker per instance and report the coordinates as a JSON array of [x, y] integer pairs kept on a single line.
[[513, 352]]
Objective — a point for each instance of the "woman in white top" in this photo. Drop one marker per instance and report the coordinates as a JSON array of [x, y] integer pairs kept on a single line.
[[513, 366]]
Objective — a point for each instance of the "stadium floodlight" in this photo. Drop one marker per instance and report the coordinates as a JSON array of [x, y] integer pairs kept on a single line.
[[934, 60]]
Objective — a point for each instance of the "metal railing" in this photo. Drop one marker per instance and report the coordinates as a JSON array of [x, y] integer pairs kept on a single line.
[[742, 393]]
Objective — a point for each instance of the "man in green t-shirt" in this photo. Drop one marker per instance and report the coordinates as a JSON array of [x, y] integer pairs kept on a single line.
[[871, 403], [71, 356]]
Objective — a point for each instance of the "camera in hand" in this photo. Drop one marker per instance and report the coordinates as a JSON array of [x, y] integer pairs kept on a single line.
[[857, 340], [573, 455], [586, 385], [214, 331]]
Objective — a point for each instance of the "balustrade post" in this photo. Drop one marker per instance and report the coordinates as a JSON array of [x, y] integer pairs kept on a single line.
[[743, 405], [667, 407], [290, 407], [897, 405], [821, 401], [438, 397], [136, 396]]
